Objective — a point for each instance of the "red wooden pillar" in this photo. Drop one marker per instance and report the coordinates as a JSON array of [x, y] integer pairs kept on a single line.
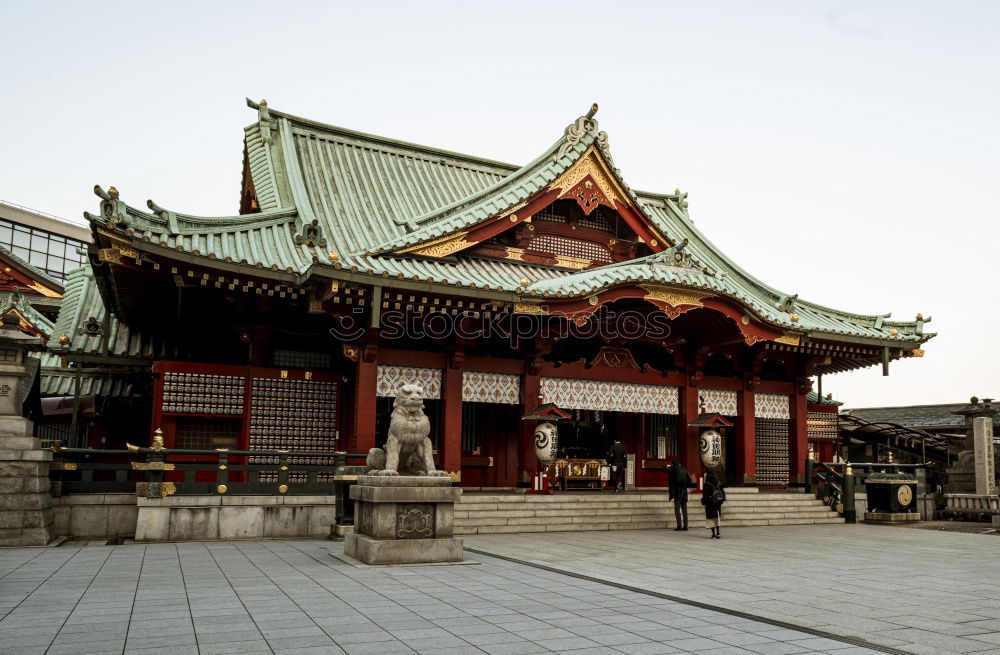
[[365, 397], [530, 387], [798, 446], [688, 406], [746, 437], [450, 444]]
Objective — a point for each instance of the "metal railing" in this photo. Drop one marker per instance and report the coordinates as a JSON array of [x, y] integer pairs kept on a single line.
[[155, 472]]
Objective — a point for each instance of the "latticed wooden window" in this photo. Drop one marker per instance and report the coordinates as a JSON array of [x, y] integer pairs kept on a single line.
[[555, 244], [207, 434], [661, 430], [601, 219], [550, 215]]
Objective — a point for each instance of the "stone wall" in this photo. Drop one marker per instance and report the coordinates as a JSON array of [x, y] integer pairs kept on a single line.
[[212, 518], [192, 518], [95, 516]]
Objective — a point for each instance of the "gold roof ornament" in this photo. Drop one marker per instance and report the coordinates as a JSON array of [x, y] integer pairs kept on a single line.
[[64, 339], [893, 331], [157, 444], [113, 192], [263, 102], [525, 281], [795, 318]]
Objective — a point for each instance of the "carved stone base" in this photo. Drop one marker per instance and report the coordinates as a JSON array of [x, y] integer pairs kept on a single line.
[[402, 551], [404, 520]]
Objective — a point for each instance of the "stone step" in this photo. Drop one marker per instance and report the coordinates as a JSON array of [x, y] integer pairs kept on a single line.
[[595, 507], [758, 519], [635, 525]]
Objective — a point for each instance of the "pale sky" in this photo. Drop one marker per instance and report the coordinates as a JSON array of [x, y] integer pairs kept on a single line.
[[844, 151]]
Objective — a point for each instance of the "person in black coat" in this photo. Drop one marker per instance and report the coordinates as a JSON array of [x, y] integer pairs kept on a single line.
[[677, 490], [618, 459], [712, 498]]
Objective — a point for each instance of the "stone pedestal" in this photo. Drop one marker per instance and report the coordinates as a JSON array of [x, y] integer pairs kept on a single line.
[[404, 520], [26, 513]]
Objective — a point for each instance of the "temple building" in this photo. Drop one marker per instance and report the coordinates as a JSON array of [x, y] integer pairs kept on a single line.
[[357, 263]]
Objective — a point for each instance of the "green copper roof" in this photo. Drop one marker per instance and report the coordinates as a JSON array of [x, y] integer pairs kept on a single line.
[[18, 301], [334, 199], [81, 318]]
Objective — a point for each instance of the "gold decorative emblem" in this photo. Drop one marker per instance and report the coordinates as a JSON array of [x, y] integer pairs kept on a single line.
[[917, 352], [593, 300], [745, 320], [893, 331], [283, 488], [904, 494], [222, 488], [795, 318]]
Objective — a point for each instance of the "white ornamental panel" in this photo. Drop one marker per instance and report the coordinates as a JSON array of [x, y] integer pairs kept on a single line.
[[482, 387], [569, 393], [390, 378], [772, 405], [718, 401]]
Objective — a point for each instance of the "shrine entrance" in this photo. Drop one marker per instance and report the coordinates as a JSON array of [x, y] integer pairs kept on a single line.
[[489, 444]]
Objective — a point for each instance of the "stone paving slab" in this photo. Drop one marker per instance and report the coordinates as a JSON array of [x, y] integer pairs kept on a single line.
[[915, 591], [293, 597]]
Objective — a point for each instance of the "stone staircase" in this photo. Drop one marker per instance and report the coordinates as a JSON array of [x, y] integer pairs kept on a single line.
[[491, 513]]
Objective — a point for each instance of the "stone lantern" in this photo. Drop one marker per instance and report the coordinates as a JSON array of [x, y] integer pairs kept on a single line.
[[25, 505]]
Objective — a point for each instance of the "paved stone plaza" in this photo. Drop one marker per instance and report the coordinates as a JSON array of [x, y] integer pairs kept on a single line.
[[293, 597], [916, 590]]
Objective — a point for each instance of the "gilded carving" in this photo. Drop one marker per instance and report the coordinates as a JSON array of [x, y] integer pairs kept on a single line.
[[529, 308], [440, 247], [155, 489], [789, 339], [566, 261], [153, 466], [675, 297], [591, 164], [515, 253]]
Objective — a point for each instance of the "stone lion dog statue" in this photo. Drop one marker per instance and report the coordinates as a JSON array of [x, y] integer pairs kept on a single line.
[[408, 449]]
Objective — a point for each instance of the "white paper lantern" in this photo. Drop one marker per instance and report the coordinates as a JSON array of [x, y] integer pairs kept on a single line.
[[710, 443], [546, 442]]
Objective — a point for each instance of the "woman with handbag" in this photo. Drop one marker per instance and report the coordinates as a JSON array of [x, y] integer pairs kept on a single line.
[[712, 498]]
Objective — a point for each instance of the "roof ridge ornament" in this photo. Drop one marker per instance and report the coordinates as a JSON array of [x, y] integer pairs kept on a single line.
[[167, 215], [675, 256], [681, 199], [264, 119], [578, 129], [311, 234], [113, 210], [786, 303]]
